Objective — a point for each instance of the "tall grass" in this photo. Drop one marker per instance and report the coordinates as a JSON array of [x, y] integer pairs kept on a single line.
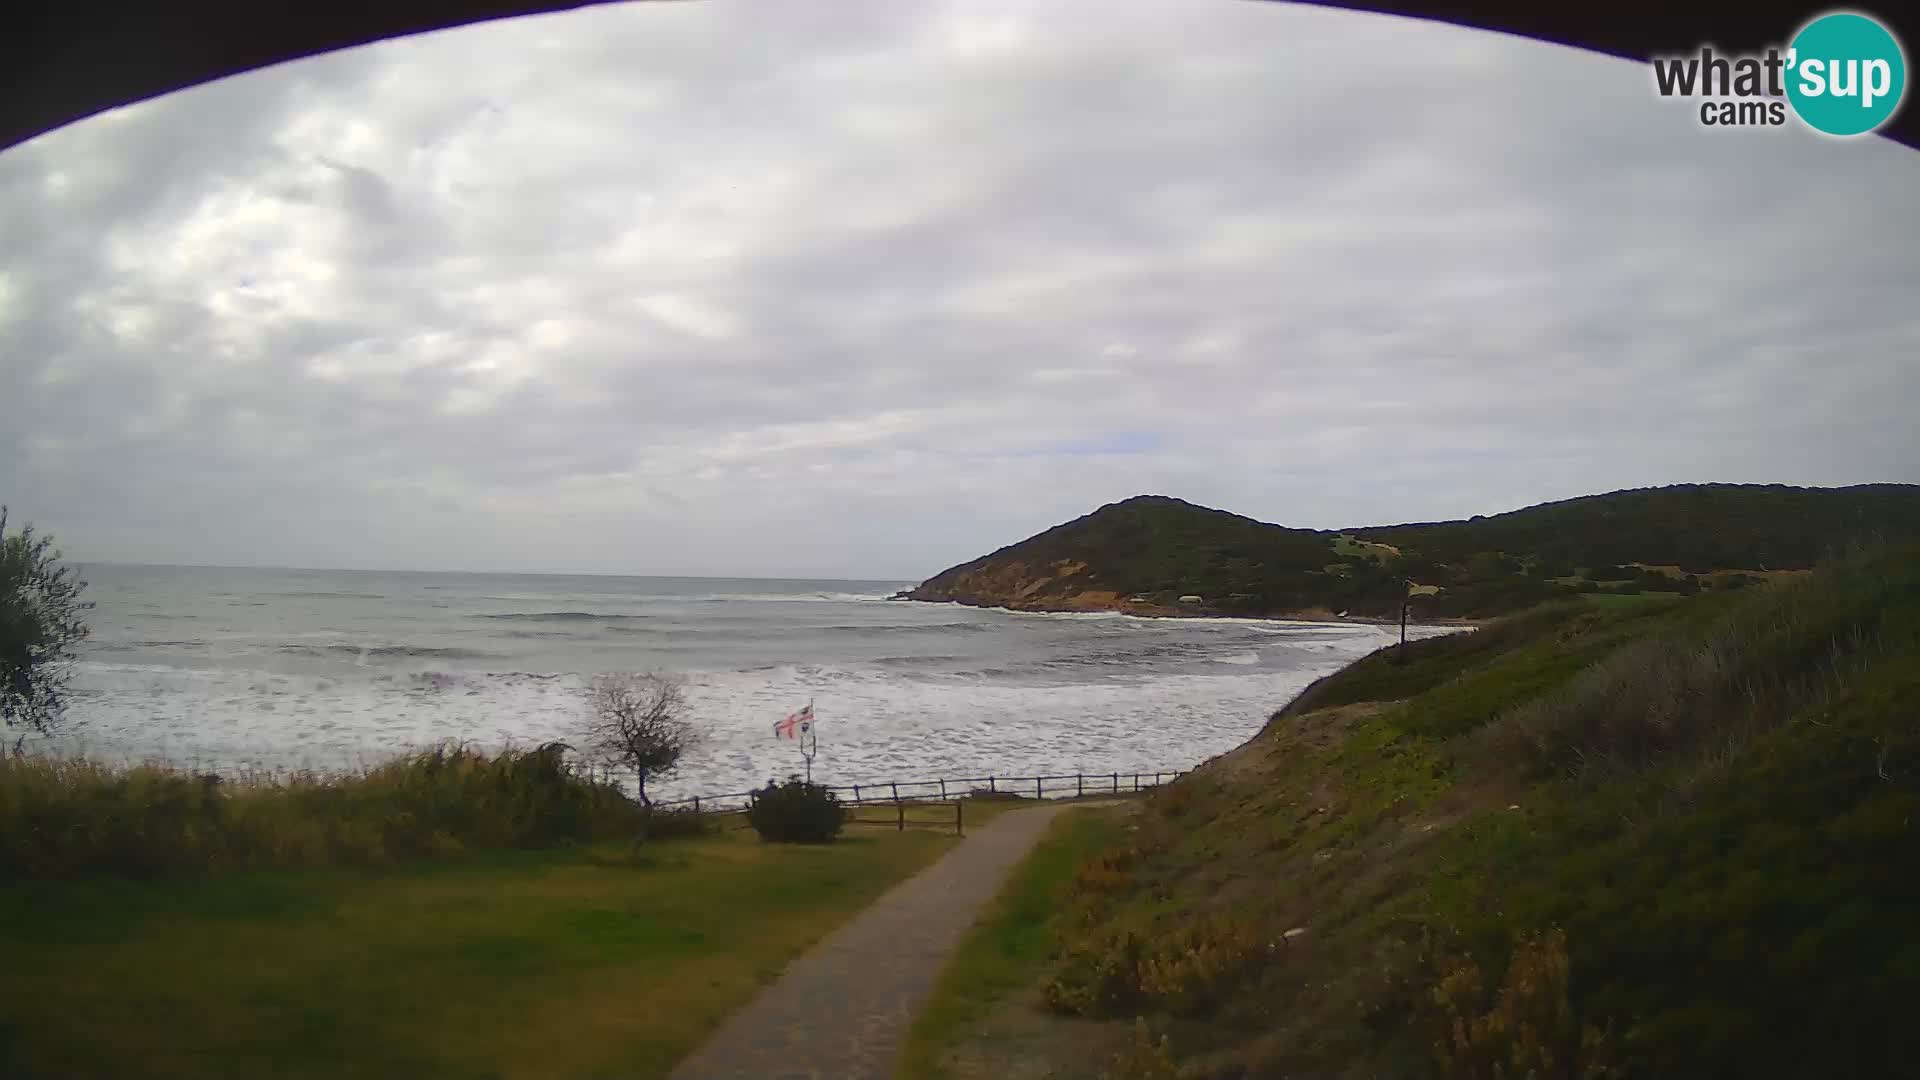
[[1399, 672], [1701, 695], [72, 817]]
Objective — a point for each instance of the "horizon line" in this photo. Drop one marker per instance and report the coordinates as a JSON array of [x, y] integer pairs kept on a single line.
[[477, 573]]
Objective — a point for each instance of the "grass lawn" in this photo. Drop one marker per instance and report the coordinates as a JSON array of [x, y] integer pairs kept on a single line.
[[576, 963], [1007, 948]]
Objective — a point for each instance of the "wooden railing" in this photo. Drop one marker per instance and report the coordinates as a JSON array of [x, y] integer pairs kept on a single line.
[[949, 789]]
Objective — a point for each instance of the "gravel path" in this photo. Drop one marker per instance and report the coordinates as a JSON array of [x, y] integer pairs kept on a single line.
[[840, 1011]]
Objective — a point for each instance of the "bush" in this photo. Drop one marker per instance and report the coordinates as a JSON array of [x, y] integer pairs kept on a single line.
[[1186, 970], [1522, 1028], [796, 812], [61, 818], [40, 625], [1096, 975], [1197, 967]]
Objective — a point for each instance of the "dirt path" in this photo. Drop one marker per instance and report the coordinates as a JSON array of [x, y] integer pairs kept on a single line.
[[840, 1011]]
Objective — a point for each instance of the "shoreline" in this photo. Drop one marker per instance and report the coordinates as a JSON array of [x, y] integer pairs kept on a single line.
[[1152, 611]]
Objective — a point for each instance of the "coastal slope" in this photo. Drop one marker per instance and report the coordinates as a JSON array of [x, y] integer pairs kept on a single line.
[[1620, 840]]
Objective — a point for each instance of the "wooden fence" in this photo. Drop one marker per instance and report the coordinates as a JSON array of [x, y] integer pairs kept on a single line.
[[948, 790]]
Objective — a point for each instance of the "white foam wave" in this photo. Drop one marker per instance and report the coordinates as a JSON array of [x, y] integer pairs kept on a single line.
[[873, 725]]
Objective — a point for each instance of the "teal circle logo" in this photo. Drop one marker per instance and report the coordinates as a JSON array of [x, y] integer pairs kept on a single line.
[[1846, 74]]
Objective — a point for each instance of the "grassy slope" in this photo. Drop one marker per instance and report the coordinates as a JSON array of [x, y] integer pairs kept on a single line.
[[585, 962], [1714, 799], [1011, 938]]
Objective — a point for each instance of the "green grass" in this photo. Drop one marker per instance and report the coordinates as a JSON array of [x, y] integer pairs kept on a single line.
[[585, 962], [1007, 947], [1749, 920], [1713, 798]]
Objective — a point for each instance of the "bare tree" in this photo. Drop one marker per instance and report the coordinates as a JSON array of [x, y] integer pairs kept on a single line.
[[40, 623], [638, 723]]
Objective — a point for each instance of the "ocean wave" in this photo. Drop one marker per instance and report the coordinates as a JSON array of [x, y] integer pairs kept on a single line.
[[776, 598], [918, 660], [891, 629], [557, 616], [323, 595], [390, 652]]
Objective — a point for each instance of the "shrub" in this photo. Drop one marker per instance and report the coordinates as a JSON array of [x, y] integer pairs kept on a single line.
[[1187, 971], [65, 817], [1523, 1028], [1096, 975], [1143, 1057], [1194, 969], [796, 812]]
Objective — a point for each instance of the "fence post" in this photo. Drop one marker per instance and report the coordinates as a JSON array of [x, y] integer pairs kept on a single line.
[[1079, 784], [856, 793], [1116, 783], [896, 791], [696, 804], [1036, 787], [1136, 781], [959, 812], [991, 785], [901, 808], [943, 789]]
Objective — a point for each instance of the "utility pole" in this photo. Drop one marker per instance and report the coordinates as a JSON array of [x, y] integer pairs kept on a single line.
[[1400, 654]]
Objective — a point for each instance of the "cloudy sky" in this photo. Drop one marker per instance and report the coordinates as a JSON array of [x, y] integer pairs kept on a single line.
[[866, 289]]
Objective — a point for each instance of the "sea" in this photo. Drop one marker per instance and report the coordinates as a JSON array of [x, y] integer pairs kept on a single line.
[[272, 670]]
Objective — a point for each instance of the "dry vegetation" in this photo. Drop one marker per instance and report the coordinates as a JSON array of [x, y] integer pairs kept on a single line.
[[74, 817], [1586, 842]]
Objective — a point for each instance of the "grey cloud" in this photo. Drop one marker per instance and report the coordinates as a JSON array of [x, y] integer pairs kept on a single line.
[[866, 288]]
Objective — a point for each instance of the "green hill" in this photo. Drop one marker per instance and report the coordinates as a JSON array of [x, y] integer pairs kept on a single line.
[[1154, 554], [1628, 841], [1696, 527]]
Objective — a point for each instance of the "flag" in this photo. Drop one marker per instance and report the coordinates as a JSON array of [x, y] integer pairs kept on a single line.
[[795, 725]]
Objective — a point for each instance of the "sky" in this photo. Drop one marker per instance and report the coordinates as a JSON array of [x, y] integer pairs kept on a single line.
[[865, 289]]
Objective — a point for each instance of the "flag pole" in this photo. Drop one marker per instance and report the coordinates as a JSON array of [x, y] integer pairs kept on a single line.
[[810, 742]]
